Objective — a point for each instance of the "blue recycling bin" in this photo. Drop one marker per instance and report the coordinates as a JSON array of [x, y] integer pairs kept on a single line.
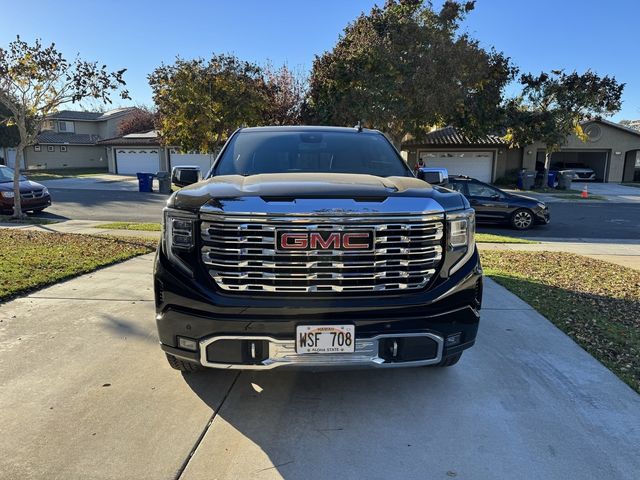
[[145, 182], [552, 179]]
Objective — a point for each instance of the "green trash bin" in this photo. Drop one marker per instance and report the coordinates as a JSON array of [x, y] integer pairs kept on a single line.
[[164, 182]]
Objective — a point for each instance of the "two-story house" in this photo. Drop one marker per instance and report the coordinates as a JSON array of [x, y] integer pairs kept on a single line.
[[69, 139]]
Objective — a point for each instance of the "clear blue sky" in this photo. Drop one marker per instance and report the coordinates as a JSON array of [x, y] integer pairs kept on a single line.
[[139, 35]]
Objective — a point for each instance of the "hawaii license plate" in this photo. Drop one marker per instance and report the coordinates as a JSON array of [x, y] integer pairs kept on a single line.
[[325, 339]]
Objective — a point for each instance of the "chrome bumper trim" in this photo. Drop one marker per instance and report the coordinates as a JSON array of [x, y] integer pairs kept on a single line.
[[283, 353]]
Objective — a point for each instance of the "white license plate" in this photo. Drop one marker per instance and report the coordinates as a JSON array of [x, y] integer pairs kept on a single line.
[[325, 339]]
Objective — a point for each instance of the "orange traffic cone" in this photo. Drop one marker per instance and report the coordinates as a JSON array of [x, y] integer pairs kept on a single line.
[[585, 192]]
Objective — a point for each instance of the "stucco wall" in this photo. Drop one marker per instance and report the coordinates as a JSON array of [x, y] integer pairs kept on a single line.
[[76, 156], [90, 128]]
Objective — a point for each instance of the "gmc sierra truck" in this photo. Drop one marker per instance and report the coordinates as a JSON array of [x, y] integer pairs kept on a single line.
[[315, 246]]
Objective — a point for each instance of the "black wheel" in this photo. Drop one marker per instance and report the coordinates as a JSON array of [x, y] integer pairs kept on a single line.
[[451, 360], [183, 365], [522, 219]]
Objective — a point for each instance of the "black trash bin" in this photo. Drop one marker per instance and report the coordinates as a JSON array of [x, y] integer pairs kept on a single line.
[[164, 182]]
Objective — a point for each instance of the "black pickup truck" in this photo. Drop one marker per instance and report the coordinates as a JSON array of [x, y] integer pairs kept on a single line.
[[315, 246]]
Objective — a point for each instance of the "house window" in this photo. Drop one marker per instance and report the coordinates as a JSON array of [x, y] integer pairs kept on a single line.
[[63, 148], [66, 127], [51, 148], [36, 148]]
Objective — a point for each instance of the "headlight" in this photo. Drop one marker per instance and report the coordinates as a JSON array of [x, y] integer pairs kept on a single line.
[[7, 194], [541, 205], [179, 236], [45, 191], [461, 235]]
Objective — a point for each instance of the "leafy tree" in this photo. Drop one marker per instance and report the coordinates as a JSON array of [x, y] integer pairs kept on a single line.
[[553, 105], [200, 103], [405, 68], [139, 120], [635, 124], [286, 91], [9, 136], [35, 81]]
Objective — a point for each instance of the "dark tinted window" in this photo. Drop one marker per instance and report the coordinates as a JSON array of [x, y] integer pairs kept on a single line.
[[477, 189], [457, 186], [256, 152]]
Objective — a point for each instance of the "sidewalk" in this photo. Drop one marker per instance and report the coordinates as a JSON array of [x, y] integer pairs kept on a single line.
[[625, 253], [86, 227], [621, 252]]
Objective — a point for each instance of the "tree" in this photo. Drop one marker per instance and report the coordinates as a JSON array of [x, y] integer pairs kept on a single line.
[[35, 81], [139, 120], [200, 103], [552, 106], [286, 91], [405, 68], [9, 136]]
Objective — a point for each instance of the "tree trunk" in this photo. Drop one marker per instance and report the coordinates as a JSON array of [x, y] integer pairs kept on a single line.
[[17, 200]]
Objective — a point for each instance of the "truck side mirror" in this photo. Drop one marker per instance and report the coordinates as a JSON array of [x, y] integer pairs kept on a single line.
[[185, 175], [434, 176]]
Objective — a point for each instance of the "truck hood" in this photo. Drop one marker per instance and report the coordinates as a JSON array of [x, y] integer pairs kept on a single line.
[[302, 193]]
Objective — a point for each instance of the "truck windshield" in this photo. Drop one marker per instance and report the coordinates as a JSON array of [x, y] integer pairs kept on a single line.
[[256, 152]]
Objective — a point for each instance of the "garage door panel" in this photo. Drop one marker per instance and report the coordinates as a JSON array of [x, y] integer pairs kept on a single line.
[[477, 165], [131, 161]]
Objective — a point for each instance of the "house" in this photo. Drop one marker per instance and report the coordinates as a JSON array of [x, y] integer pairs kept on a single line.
[[69, 139], [611, 150], [144, 152]]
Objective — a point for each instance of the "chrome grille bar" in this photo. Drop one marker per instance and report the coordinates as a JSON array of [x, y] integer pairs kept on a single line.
[[240, 254]]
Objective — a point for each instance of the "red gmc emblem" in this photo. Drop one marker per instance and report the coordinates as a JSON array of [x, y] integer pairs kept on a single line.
[[324, 240]]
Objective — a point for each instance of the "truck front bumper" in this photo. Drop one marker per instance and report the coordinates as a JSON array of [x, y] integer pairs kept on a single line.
[[196, 323]]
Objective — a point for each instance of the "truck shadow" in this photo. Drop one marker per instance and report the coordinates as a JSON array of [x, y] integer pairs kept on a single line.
[[318, 424]]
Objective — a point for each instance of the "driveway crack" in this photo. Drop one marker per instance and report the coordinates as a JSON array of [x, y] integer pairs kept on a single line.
[[192, 452]]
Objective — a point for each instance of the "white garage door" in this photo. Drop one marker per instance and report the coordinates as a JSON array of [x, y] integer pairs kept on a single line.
[[133, 160], [477, 165]]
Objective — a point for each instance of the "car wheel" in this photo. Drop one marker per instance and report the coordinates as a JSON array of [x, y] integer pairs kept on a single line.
[[449, 361], [522, 219], [183, 365]]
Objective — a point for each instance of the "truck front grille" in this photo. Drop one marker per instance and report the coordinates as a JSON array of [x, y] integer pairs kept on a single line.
[[240, 254]]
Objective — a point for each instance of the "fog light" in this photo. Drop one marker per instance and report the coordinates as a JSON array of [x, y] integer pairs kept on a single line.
[[187, 344], [454, 339]]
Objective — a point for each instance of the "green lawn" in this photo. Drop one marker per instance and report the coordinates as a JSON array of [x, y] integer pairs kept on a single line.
[[30, 260], [491, 238], [145, 227], [596, 303], [38, 175]]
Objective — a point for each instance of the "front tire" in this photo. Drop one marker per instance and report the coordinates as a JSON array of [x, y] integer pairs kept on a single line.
[[522, 219], [449, 361], [183, 365]]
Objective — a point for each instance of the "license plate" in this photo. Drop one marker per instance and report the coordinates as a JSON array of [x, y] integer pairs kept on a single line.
[[325, 339]]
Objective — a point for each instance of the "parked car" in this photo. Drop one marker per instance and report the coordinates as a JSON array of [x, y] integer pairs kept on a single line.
[[35, 197], [315, 246], [493, 205], [580, 170]]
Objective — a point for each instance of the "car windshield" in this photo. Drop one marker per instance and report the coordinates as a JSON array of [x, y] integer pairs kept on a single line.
[[257, 152], [6, 175]]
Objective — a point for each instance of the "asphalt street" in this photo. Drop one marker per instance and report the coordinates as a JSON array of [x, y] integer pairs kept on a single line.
[[85, 392], [568, 220]]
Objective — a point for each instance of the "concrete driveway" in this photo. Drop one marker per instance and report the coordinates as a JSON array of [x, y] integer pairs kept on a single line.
[[86, 393], [612, 191]]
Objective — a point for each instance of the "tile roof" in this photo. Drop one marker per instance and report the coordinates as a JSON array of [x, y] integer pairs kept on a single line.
[[88, 116], [67, 138], [450, 136]]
